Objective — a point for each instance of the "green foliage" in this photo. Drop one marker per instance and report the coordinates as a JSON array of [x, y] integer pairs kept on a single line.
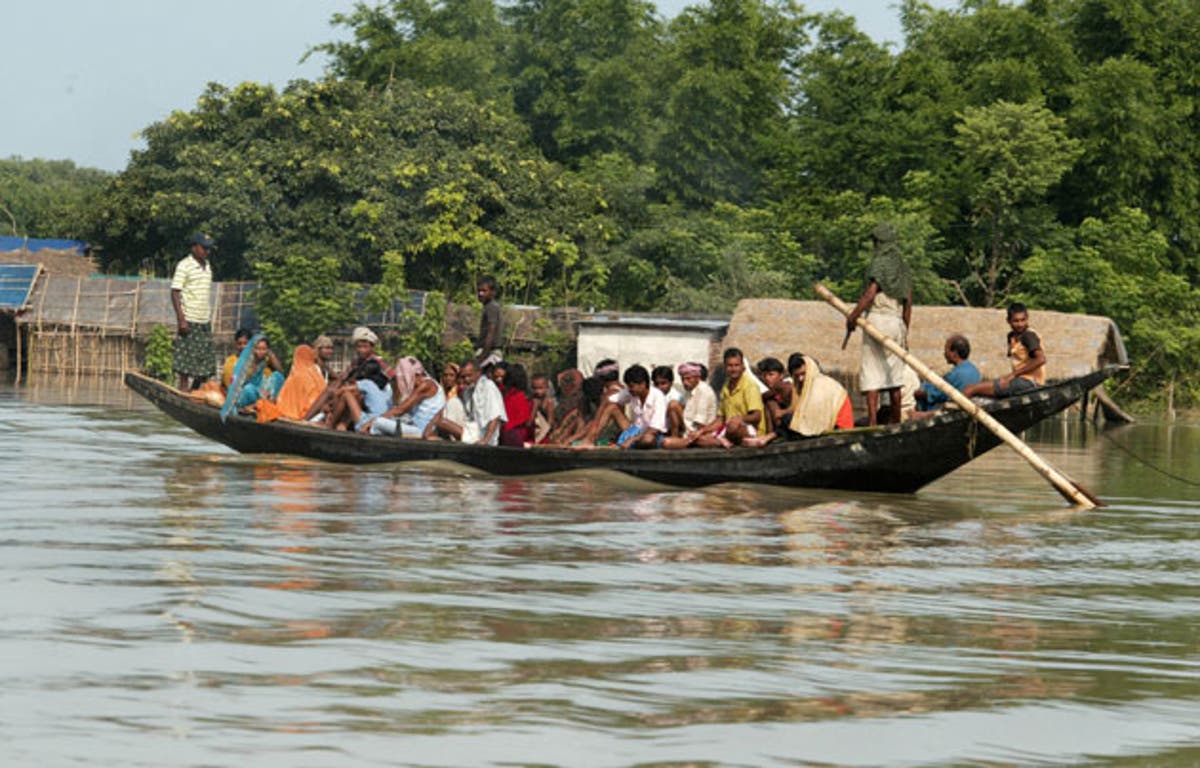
[[1118, 267], [300, 297], [160, 353], [1011, 155], [724, 115], [423, 335], [47, 198], [432, 175], [590, 154]]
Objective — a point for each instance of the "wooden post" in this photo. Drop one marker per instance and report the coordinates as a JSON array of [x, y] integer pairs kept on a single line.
[[1067, 487], [17, 325]]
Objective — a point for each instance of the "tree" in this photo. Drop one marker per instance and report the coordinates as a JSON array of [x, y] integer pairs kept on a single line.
[[1011, 154], [584, 74], [1119, 267], [457, 44], [446, 182], [47, 198], [724, 107], [300, 296]]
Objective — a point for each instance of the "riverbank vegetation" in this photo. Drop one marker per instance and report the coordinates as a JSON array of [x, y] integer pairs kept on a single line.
[[589, 152]]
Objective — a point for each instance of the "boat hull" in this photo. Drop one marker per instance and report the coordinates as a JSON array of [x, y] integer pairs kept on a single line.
[[898, 459]]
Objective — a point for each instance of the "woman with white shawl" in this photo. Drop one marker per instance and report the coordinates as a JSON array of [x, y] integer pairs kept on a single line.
[[822, 404]]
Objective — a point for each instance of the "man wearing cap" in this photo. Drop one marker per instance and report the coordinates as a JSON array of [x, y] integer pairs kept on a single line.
[[191, 289]]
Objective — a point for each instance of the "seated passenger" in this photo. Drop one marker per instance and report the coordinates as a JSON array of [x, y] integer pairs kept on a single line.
[[602, 429], [324, 347], [1027, 356], [664, 381], [483, 406], [544, 403], [450, 380], [930, 399], [514, 387], [570, 411], [647, 420], [240, 340], [263, 379], [700, 403], [822, 404], [574, 430], [740, 410], [778, 399], [448, 423], [366, 378], [416, 400], [303, 386]]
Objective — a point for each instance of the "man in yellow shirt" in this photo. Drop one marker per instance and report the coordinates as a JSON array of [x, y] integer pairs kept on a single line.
[[191, 291], [740, 411]]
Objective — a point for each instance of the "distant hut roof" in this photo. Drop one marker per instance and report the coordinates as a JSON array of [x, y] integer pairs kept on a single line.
[[35, 244], [1075, 344]]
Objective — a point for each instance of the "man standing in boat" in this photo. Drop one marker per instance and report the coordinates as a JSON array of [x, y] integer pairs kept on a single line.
[[191, 289], [887, 300]]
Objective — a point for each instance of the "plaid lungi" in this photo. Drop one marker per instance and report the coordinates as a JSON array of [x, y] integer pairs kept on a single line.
[[194, 353]]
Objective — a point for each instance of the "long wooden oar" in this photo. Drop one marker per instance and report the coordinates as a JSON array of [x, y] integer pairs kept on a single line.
[[1070, 489]]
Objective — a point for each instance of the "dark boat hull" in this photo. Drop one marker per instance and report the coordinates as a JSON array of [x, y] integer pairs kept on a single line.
[[898, 459]]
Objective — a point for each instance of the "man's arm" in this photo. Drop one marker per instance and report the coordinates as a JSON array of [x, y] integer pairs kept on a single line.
[[1037, 358], [908, 310], [490, 432], [176, 301], [864, 301], [421, 392], [753, 418]]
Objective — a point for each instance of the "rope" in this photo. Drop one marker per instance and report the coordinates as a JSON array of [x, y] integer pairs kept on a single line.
[[1146, 463]]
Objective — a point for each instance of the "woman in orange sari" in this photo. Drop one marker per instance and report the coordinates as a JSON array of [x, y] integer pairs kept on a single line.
[[304, 385]]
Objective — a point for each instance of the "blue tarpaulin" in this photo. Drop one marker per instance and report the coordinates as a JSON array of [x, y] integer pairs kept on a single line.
[[34, 244], [15, 282]]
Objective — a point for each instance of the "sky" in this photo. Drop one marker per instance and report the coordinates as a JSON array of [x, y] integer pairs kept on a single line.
[[81, 78]]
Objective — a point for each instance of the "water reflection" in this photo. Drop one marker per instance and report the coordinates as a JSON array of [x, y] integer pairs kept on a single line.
[[167, 594]]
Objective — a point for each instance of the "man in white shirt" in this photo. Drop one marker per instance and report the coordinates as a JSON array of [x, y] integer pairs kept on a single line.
[[485, 407], [647, 421]]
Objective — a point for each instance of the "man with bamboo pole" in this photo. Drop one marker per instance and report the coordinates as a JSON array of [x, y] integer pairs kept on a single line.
[[887, 300]]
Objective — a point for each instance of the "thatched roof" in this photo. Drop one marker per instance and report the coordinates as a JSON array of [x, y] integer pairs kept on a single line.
[[67, 263], [1075, 344]]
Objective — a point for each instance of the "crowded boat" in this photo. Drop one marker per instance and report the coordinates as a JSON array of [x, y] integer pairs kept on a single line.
[[492, 401]]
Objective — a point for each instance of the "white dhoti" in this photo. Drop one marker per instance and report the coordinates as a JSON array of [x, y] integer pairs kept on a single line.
[[881, 369]]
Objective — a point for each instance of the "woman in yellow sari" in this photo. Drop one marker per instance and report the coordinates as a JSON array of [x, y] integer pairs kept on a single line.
[[304, 385]]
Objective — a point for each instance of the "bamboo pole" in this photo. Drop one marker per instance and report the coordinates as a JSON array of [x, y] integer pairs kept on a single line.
[[1069, 489]]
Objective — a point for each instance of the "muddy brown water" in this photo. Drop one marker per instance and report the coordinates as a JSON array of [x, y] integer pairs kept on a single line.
[[169, 602]]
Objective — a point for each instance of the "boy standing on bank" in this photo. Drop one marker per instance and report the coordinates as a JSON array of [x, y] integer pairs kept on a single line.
[[491, 323]]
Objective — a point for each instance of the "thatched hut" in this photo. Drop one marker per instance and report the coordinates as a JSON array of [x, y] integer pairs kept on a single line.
[[1075, 344]]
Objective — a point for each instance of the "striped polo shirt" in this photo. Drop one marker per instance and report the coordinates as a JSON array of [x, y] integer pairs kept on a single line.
[[194, 283]]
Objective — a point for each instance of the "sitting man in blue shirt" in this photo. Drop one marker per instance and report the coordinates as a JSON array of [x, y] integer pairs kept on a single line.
[[957, 350]]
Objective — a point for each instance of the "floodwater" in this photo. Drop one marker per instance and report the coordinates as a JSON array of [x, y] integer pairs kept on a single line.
[[168, 602]]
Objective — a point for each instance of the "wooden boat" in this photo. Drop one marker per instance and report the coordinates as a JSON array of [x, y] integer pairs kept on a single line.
[[898, 458]]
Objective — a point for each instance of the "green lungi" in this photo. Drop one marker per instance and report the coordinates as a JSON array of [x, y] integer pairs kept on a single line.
[[194, 353]]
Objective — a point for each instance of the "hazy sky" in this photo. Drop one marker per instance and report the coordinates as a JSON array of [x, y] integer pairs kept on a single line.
[[82, 77]]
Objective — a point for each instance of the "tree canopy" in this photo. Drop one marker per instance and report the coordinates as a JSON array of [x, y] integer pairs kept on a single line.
[[590, 152]]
